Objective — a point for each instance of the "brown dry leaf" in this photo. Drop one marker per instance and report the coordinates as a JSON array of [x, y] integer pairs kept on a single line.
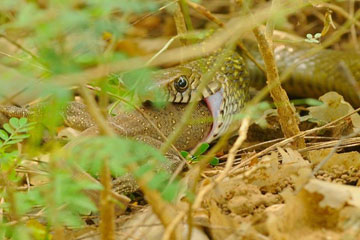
[[334, 107], [36, 179], [266, 120], [334, 195], [302, 217], [279, 176], [290, 156], [348, 159], [222, 225], [145, 225]]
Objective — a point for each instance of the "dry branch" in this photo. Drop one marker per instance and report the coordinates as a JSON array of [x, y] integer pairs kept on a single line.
[[287, 114]]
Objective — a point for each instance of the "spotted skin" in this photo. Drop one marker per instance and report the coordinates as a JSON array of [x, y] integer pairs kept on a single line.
[[166, 120], [134, 125], [77, 116]]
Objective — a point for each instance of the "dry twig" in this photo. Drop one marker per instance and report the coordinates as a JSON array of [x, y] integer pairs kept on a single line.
[[288, 140], [287, 116]]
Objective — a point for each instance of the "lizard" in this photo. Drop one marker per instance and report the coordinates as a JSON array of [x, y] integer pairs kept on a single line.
[[225, 95]]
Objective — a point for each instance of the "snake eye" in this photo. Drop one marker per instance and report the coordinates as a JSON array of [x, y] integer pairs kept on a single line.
[[181, 84]]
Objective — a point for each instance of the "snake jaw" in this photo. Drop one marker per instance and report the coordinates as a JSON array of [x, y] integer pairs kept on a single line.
[[214, 103]]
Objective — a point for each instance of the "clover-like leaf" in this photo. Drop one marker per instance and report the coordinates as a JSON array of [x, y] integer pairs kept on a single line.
[[23, 122], [8, 128], [4, 135], [317, 35], [14, 122]]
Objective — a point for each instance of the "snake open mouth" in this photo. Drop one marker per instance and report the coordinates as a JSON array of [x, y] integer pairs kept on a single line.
[[214, 104]]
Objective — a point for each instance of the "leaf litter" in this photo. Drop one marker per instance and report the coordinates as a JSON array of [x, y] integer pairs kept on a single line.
[[274, 198]]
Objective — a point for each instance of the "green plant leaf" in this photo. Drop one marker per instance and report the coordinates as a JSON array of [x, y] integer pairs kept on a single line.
[[23, 122], [8, 128], [171, 191], [214, 161], [184, 154], [14, 141], [14, 122], [4, 135], [23, 136], [142, 170], [201, 149], [158, 180]]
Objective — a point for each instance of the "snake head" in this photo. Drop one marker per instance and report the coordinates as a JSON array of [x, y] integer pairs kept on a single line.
[[224, 94], [181, 83]]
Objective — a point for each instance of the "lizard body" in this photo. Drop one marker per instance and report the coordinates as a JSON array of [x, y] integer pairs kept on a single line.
[[135, 125]]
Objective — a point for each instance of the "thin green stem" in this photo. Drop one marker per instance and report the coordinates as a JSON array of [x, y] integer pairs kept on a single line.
[[185, 10]]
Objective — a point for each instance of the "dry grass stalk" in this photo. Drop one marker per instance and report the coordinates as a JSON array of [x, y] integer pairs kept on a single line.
[[289, 140], [287, 116], [163, 210], [231, 157], [180, 22], [107, 207], [203, 11]]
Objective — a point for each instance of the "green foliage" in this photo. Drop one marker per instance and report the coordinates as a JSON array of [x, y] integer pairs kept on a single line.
[[59, 38], [306, 101], [14, 132], [65, 37], [122, 153], [198, 154], [65, 31], [63, 197], [139, 87]]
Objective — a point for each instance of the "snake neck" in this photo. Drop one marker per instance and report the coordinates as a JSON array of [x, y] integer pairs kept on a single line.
[[226, 104]]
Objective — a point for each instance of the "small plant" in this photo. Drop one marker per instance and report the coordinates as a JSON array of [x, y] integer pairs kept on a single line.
[[14, 132], [122, 153], [198, 154], [313, 39], [61, 201]]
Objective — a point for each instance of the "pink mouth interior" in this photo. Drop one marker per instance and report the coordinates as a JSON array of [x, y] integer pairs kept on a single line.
[[214, 102]]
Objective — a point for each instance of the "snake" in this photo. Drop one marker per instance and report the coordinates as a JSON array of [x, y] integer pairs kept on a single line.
[[228, 90], [225, 94]]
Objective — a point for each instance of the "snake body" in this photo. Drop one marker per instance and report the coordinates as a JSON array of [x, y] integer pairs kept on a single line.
[[228, 90], [315, 75]]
